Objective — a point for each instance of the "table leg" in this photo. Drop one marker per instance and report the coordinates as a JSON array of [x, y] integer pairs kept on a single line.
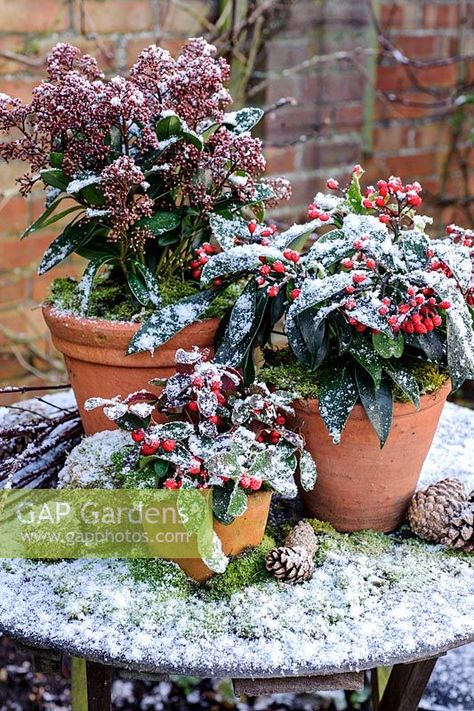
[[406, 685], [99, 687]]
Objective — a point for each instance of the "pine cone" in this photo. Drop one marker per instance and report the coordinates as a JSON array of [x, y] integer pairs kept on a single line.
[[431, 508], [290, 565], [460, 531], [302, 535]]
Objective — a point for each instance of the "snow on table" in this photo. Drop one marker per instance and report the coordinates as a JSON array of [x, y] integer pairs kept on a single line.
[[368, 603]]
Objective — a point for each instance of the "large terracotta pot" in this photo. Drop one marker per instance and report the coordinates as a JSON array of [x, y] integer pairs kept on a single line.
[[247, 530], [360, 485], [97, 364]]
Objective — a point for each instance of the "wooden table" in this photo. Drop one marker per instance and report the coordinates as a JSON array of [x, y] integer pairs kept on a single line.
[[370, 604]]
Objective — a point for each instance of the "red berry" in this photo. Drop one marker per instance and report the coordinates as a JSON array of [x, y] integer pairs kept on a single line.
[[404, 308], [383, 310], [245, 482], [368, 204], [291, 255], [138, 435], [267, 232], [358, 278], [420, 328], [444, 305], [370, 263], [272, 291], [168, 445], [350, 304], [203, 260], [196, 274], [274, 437], [380, 201], [198, 381], [193, 406], [414, 200], [437, 320], [172, 484], [278, 267], [147, 449], [324, 217], [218, 281], [280, 420], [429, 325], [408, 327], [261, 281], [392, 321], [194, 264], [347, 263], [349, 289], [384, 219], [255, 484], [265, 269], [194, 469], [332, 184], [360, 328], [252, 226], [262, 259], [294, 293]]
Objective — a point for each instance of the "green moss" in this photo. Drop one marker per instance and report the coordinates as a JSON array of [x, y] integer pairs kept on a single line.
[[114, 303], [284, 372], [246, 569], [161, 574]]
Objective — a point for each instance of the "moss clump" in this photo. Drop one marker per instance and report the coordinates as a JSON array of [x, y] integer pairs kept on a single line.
[[161, 574], [246, 569], [107, 301], [113, 302], [285, 373]]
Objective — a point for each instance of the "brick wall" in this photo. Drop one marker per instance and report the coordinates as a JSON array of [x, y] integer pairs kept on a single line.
[[337, 118]]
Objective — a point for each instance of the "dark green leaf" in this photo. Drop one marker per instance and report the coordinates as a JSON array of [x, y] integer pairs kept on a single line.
[[55, 177], [243, 314], [228, 502], [405, 381], [84, 288], [132, 422], [315, 337], [168, 321], [138, 288], [160, 222], [93, 195], [367, 357], [47, 218], [243, 120], [150, 282], [388, 347], [56, 159], [414, 246], [337, 396], [75, 235], [377, 403], [168, 126]]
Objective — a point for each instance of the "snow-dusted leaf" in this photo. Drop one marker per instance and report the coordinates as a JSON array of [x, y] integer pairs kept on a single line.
[[354, 194], [210, 550], [47, 218], [308, 471], [176, 430], [243, 314], [314, 291], [377, 403], [150, 283], [84, 288], [367, 357], [193, 509], [387, 346], [367, 312], [296, 235], [405, 381], [74, 236], [338, 394], [237, 260], [229, 501], [457, 258], [160, 222], [168, 321], [207, 402], [243, 120], [281, 469], [225, 231], [415, 245], [329, 249]]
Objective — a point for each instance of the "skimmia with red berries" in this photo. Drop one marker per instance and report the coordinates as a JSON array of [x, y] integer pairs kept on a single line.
[[370, 295]]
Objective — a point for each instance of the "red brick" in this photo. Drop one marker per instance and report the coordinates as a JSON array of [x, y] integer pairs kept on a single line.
[[23, 16], [13, 288], [107, 16], [437, 16], [317, 155], [13, 214], [291, 123], [416, 47], [20, 88], [393, 78], [413, 166], [28, 252], [347, 115], [135, 46], [184, 21], [337, 86], [281, 160], [432, 135], [398, 15], [390, 138], [438, 76]]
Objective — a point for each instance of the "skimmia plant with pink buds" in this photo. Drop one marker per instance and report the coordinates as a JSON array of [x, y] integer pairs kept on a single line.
[[137, 166], [360, 304]]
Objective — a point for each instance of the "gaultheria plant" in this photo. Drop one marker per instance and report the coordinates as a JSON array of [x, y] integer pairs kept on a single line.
[[359, 305], [137, 166]]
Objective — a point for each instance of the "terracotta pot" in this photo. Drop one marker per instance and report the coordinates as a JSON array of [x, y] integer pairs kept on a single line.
[[247, 530], [361, 486], [97, 364]]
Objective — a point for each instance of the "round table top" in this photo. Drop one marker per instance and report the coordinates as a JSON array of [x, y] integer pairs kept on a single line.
[[374, 600]]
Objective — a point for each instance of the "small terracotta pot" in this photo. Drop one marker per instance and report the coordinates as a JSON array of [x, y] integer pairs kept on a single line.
[[361, 486], [97, 364], [247, 530]]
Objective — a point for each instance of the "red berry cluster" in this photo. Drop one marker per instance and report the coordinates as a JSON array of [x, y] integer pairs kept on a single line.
[[391, 200], [259, 234], [151, 445], [201, 258], [316, 213], [274, 274]]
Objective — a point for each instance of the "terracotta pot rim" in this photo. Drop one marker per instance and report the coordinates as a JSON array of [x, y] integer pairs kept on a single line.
[[400, 409], [52, 313]]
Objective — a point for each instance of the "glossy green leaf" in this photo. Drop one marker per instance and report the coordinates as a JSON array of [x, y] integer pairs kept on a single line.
[[243, 120], [84, 288], [75, 235], [388, 347], [48, 218], [364, 353], [160, 222], [55, 177], [338, 394], [377, 403], [405, 381]]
